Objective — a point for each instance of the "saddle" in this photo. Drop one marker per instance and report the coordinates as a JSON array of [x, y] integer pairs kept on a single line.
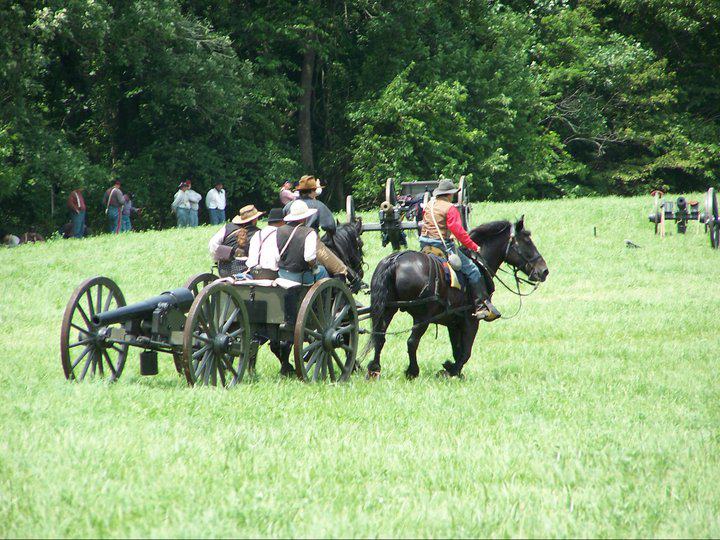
[[457, 280]]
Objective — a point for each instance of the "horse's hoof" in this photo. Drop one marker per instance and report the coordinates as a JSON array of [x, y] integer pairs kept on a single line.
[[373, 376], [443, 374], [410, 375], [288, 373]]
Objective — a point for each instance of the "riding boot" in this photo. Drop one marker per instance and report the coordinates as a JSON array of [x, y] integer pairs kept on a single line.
[[484, 308]]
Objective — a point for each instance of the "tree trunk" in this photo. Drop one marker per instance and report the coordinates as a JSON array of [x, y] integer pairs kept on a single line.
[[305, 116]]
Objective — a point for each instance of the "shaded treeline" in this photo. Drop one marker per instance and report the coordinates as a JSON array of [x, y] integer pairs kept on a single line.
[[534, 99]]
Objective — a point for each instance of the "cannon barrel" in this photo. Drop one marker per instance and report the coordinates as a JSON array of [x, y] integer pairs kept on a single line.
[[180, 299]]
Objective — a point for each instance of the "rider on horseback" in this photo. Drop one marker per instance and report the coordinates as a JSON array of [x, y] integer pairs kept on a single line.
[[441, 219]]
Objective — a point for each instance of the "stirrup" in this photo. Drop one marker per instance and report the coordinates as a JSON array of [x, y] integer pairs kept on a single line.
[[487, 312]]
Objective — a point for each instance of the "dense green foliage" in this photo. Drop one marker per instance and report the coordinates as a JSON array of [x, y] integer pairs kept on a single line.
[[593, 413], [530, 98]]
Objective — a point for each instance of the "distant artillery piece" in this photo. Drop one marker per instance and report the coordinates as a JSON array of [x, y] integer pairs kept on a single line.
[[682, 211], [403, 212]]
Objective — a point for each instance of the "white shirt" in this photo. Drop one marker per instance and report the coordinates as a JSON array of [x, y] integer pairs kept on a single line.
[[215, 199], [194, 197], [215, 242], [263, 250], [181, 200]]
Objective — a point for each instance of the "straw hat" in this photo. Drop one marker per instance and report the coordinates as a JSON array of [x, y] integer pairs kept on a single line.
[[299, 211], [308, 182], [246, 214], [445, 187]]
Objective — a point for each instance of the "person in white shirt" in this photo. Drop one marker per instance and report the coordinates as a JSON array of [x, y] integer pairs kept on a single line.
[[263, 253], [194, 197], [181, 205], [215, 202], [297, 245]]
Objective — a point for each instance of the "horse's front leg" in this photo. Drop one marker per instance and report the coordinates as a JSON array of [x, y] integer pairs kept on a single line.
[[413, 342], [462, 338]]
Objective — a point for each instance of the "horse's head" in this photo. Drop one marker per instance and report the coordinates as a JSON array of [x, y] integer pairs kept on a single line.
[[522, 254], [347, 244]]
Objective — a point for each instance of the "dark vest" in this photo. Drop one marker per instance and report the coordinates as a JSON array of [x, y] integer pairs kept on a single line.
[[231, 238], [293, 260]]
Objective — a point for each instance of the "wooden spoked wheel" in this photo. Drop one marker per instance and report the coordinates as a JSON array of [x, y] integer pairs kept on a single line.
[[350, 209], [197, 282], [84, 351], [712, 217], [390, 193], [326, 333], [216, 338], [463, 203]]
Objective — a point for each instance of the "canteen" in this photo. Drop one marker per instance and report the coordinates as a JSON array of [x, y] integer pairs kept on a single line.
[[454, 261]]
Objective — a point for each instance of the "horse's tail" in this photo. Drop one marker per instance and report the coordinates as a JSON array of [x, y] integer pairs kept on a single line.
[[382, 286]]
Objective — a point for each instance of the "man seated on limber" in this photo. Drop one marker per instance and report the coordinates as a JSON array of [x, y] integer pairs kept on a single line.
[[297, 247], [263, 253]]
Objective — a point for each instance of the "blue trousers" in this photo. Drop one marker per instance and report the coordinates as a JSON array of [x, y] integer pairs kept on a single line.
[[114, 222], [307, 277], [126, 224], [193, 218], [78, 223], [468, 267], [183, 217], [217, 216]]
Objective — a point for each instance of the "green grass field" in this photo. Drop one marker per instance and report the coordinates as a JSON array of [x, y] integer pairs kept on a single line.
[[595, 412]]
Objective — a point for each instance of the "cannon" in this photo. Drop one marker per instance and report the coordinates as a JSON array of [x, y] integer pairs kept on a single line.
[[403, 212], [682, 211], [212, 328]]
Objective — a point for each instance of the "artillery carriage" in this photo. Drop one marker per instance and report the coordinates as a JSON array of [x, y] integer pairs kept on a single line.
[[403, 212], [212, 328], [681, 211]]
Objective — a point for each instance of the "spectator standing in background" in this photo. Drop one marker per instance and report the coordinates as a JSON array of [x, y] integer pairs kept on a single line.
[[181, 205], [194, 197], [215, 202], [127, 211], [78, 210], [114, 201], [286, 194]]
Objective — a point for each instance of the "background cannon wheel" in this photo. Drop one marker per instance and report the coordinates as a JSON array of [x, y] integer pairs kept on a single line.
[[712, 218], [350, 209], [464, 202], [656, 210], [216, 338], [197, 282], [390, 193], [326, 333], [82, 351]]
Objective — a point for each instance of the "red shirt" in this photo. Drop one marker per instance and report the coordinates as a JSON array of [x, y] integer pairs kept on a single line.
[[454, 225]]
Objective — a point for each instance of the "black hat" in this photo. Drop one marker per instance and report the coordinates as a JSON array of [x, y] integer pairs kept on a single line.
[[275, 214]]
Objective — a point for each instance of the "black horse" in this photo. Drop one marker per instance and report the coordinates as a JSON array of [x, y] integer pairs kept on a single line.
[[346, 243], [348, 246], [414, 282]]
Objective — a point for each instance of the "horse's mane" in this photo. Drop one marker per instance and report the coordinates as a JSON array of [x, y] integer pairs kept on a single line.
[[345, 244], [487, 231]]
